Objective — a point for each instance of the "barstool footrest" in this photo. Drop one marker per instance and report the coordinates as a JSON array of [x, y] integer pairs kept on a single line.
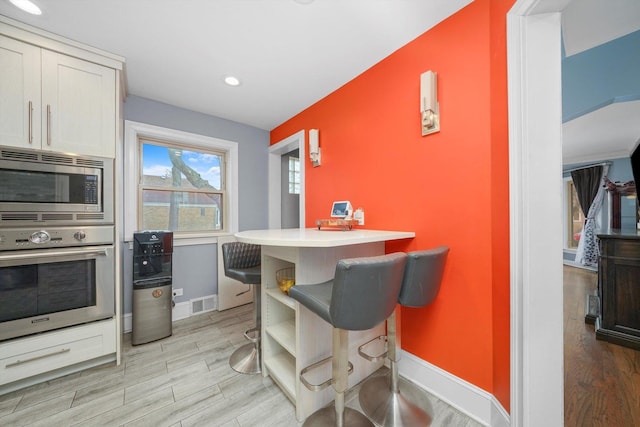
[[374, 358], [322, 385], [250, 338]]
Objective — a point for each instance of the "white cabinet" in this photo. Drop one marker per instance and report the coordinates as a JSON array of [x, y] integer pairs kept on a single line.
[[25, 357], [58, 95], [293, 337], [78, 106], [55, 102], [19, 93]]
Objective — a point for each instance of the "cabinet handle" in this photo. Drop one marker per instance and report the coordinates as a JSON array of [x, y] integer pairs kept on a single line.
[[42, 356], [30, 122], [48, 124]]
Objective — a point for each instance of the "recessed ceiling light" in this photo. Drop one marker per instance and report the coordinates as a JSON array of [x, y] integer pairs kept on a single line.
[[232, 81], [27, 6]]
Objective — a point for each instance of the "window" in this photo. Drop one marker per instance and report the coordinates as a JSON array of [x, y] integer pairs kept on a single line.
[[575, 217], [179, 181], [294, 175], [180, 188]]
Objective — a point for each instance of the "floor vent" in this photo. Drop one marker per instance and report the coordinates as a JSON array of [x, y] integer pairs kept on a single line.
[[202, 305]]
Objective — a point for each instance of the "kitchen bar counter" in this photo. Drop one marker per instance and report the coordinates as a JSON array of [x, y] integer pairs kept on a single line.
[[314, 238], [292, 336]]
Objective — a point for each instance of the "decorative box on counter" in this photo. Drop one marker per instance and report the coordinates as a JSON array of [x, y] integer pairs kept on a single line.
[[344, 224]]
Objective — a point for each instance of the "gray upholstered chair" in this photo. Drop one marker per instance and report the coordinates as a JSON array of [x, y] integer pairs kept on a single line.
[[381, 397], [362, 294], [242, 263]]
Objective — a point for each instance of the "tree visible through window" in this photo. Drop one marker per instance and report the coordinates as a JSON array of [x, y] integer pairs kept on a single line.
[[181, 189]]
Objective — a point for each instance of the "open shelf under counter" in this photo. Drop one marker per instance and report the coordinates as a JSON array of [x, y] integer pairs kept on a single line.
[[285, 334], [292, 336], [282, 368], [276, 294]]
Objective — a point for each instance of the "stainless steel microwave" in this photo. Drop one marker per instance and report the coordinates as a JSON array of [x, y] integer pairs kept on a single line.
[[54, 188]]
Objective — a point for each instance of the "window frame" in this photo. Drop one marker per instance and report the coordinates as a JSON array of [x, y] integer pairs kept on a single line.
[[295, 173], [567, 211], [144, 140], [133, 162]]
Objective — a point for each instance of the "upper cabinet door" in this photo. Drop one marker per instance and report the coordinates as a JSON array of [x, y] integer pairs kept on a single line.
[[19, 94], [78, 106]]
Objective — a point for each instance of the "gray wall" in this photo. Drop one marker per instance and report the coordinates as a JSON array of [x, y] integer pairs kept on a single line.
[[195, 267]]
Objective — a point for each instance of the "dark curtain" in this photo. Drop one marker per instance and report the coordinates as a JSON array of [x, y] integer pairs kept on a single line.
[[586, 182]]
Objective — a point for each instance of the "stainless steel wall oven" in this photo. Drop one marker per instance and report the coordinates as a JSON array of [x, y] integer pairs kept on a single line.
[[55, 277], [56, 240]]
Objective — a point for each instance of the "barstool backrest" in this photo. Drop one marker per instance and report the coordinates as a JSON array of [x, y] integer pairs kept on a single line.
[[241, 261], [422, 276], [365, 290]]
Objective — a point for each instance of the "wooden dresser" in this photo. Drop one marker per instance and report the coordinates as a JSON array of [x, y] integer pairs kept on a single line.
[[618, 320]]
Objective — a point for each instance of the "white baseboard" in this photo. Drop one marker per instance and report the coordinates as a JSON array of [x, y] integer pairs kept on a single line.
[[180, 311], [127, 323], [462, 395]]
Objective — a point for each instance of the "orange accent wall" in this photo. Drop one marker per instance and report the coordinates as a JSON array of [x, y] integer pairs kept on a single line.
[[451, 187]]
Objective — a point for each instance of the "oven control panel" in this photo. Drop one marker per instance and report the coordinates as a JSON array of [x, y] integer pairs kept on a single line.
[[51, 237]]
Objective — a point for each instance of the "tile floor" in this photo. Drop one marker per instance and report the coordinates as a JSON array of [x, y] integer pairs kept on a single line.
[[183, 380]]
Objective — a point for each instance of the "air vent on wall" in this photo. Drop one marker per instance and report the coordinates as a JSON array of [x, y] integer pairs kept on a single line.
[[202, 305], [18, 155], [57, 217], [57, 159], [19, 216], [89, 162], [90, 216]]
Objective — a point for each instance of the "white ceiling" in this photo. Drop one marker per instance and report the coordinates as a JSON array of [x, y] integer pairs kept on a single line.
[[614, 130], [589, 23], [290, 55], [607, 133]]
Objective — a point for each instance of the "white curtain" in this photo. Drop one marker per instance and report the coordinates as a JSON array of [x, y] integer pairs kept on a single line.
[[588, 247]]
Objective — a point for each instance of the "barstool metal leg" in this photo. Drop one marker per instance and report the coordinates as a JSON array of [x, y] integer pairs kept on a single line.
[[338, 414], [246, 359], [388, 404]]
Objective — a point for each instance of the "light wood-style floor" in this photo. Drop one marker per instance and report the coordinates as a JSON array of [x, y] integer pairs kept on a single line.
[[601, 380], [183, 380]]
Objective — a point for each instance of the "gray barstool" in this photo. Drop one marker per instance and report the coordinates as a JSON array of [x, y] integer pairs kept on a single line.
[[381, 397], [362, 294], [242, 263]]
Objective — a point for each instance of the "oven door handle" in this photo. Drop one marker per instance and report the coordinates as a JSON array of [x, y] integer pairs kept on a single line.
[[54, 254]]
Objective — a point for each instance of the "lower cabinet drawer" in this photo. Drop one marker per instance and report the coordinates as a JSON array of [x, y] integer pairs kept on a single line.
[[25, 357]]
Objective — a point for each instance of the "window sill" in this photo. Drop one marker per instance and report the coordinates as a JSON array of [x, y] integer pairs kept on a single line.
[[193, 240], [189, 240]]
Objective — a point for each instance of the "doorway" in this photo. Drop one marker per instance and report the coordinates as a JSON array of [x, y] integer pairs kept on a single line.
[[290, 190], [535, 174], [277, 152]]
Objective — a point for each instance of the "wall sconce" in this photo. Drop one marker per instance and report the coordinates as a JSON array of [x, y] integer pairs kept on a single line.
[[429, 108], [314, 147]]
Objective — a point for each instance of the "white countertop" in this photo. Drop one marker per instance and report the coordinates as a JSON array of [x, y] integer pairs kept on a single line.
[[314, 238]]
